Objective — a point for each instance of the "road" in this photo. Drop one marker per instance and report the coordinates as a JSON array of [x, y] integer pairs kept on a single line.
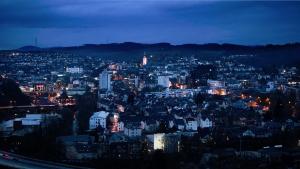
[[27, 106], [17, 161]]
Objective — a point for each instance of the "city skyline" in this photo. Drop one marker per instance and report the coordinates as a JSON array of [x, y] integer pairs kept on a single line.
[[61, 23], [150, 84]]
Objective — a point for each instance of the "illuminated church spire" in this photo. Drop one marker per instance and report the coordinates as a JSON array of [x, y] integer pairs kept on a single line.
[[145, 60]]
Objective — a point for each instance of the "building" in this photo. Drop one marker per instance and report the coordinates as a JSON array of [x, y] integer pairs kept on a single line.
[[145, 60], [205, 123], [215, 83], [171, 143], [78, 147], [216, 87], [39, 87], [132, 130], [75, 91], [164, 80], [74, 70], [33, 119], [105, 80], [98, 119], [158, 141], [120, 126], [191, 124], [28, 124]]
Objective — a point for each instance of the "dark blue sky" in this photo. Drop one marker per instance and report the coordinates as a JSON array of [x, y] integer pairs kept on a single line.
[[66, 22]]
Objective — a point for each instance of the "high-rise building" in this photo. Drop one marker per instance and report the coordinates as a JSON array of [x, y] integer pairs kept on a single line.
[[145, 60], [105, 80]]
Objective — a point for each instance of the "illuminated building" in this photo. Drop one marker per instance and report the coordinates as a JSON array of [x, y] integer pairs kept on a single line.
[[158, 141], [169, 143], [39, 87], [221, 92], [252, 104], [115, 123], [215, 83], [132, 130], [205, 123], [145, 60], [26, 89], [164, 80], [98, 119], [216, 87], [75, 91], [191, 124], [74, 70], [105, 80]]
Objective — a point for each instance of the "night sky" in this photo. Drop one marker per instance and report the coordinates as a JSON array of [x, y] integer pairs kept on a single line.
[[66, 23]]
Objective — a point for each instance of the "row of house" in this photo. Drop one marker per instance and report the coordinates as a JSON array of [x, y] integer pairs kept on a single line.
[[135, 126]]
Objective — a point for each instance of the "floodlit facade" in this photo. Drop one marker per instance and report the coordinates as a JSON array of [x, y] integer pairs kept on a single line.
[[98, 119], [158, 141], [145, 60]]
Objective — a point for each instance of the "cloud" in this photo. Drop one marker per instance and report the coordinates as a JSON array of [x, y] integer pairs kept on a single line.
[[100, 21]]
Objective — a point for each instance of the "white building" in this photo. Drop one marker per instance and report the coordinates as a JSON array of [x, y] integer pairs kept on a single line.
[[206, 123], [158, 141], [105, 80], [98, 119], [74, 70], [215, 83], [169, 143], [191, 124], [145, 60], [248, 133], [32, 119], [164, 80], [132, 130]]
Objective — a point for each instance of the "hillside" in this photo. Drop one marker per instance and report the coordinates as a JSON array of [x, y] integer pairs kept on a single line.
[[262, 54]]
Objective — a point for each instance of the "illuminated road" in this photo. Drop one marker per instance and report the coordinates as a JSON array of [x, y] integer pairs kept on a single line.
[[27, 106], [32, 106], [22, 162]]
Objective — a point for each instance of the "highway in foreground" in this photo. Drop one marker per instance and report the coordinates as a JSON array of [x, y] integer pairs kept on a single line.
[[21, 162]]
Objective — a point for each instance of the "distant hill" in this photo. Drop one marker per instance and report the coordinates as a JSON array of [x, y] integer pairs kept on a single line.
[[262, 54], [29, 48], [126, 46]]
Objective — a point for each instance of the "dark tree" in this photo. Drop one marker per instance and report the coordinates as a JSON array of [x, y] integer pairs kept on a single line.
[[87, 104], [130, 99], [11, 94], [280, 106], [199, 98], [67, 120]]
